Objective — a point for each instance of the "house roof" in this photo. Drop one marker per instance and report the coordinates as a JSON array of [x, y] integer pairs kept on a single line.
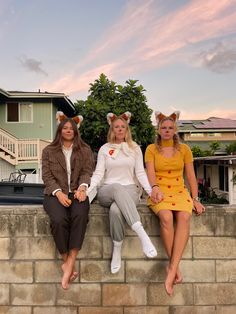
[[211, 124], [61, 101]]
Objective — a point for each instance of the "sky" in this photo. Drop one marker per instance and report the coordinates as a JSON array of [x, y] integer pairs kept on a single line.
[[183, 52]]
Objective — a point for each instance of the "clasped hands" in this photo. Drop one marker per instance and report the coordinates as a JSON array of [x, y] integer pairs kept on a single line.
[[156, 195], [79, 194]]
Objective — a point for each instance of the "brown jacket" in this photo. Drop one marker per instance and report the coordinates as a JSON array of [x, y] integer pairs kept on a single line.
[[54, 173]]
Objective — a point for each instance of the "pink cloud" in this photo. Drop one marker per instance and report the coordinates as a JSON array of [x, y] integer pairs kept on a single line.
[[145, 40]]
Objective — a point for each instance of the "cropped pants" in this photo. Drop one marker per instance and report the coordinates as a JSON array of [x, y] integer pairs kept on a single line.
[[122, 201], [68, 224]]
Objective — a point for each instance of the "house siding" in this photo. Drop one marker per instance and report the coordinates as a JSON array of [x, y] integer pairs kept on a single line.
[[39, 128]]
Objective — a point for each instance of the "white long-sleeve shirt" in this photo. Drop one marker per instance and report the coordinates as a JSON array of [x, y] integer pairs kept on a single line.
[[118, 163]]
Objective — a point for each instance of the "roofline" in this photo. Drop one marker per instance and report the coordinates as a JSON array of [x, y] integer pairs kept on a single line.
[[45, 95], [226, 157], [205, 130]]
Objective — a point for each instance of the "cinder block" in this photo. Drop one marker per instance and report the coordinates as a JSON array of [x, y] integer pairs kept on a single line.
[[203, 225], [193, 310], [50, 271], [147, 310], [5, 248], [198, 270], [34, 248], [100, 310], [42, 225], [98, 225], [226, 309], [16, 272], [145, 271], [132, 248], [15, 310], [33, 294], [124, 294], [99, 271], [55, 310], [210, 247], [92, 248], [183, 295], [4, 294], [79, 294], [225, 224], [226, 271], [215, 293]]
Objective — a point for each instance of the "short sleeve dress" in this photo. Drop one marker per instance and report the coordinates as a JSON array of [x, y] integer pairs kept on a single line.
[[169, 177]]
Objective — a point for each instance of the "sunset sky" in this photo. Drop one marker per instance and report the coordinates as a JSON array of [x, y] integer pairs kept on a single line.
[[182, 51]]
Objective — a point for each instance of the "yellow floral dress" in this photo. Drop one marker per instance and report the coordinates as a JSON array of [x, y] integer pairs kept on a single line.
[[169, 177]]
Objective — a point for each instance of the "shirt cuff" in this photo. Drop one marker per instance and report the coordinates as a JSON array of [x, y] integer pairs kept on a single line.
[[83, 184], [55, 191]]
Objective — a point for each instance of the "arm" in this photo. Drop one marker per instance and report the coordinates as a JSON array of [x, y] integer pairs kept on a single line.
[[156, 194], [140, 172], [99, 171], [87, 169], [192, 181], [48, 179]]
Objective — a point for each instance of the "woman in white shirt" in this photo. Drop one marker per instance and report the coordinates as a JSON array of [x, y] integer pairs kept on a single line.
[[119, 163]]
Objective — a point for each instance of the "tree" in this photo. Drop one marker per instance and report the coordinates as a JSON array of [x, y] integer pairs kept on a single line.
[[214, 146], [197, 151], [231, 148], [106, 96]]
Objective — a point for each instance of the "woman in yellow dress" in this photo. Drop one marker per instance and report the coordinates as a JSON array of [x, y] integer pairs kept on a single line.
[[166, 161]]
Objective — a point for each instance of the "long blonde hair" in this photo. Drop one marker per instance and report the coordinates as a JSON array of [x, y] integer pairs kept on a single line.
[[175, 137], [128, 136]]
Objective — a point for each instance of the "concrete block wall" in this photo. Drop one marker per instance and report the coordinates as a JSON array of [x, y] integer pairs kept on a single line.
[[30, 270]]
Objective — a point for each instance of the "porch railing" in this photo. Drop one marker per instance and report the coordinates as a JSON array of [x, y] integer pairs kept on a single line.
[[21, 150]]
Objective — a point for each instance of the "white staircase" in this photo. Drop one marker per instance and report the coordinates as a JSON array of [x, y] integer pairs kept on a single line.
[[16, 151]]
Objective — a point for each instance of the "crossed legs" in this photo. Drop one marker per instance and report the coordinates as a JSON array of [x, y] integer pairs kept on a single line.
[[174, 242]]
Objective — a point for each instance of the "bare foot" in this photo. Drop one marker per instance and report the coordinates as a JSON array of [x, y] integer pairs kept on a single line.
[[67, 269], [178, 276], [169, 282], [74, 275]]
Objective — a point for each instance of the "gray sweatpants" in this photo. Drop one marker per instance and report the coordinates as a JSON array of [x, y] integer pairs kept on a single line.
[[122, 201]]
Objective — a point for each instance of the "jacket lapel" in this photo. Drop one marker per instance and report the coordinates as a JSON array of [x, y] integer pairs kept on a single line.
[[61, 159]]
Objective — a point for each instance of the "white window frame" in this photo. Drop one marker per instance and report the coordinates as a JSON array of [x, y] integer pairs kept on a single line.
[[19, 117]]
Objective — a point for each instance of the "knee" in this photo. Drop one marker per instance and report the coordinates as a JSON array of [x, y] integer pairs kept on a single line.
[[183, 218], [166, 220]]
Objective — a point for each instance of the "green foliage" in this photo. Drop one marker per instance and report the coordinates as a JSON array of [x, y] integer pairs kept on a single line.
[[231, 148], [106, 96], [214, 146], [197, 151]]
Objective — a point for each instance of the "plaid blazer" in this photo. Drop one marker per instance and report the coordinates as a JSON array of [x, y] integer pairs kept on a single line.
[[54, 172]]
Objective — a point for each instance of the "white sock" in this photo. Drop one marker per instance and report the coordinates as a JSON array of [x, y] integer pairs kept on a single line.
[[148, 248], [116, 257]]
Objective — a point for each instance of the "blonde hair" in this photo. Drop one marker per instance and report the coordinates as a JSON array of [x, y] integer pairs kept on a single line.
[[128, 137], [175, 137]]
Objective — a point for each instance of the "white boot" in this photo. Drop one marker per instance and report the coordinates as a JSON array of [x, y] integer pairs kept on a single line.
[[116, 257], [148, 248]]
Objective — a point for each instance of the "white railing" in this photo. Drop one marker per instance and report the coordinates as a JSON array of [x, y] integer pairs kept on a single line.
[[22, 150]]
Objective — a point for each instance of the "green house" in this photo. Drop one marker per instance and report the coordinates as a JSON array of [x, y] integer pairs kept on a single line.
[[27, 125]]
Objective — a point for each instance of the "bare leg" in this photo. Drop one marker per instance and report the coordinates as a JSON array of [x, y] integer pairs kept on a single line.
[[180, 240], [67, 268], [74, 274], [167, 235]]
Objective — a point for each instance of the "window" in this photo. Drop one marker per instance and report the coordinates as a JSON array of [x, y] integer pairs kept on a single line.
[[214, 134], [223, 178], [19, 112], [196, 134]]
